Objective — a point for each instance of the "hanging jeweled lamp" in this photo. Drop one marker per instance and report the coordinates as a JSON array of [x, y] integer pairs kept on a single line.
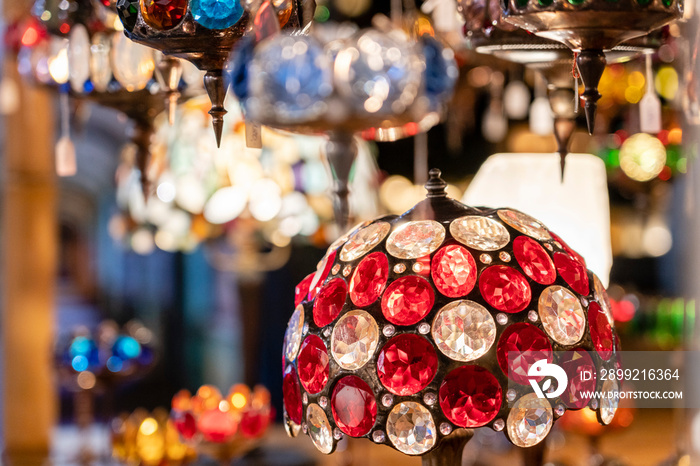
[[340, 80], [200, 31], [589, 28], [403, 334], [487, 33]]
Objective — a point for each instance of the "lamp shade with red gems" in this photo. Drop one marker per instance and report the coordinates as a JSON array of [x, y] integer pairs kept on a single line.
[[406, 332]]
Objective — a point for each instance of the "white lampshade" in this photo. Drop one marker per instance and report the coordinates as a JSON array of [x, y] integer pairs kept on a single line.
[[577, 209]]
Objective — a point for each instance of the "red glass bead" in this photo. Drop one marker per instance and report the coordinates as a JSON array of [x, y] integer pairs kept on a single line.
[[581, 373], [534, 260], [353, 405], [330, 301], [321, 274], [572, 271], [407, 300], [454, 271], [505, 288], [291, 394], [407, 364], [568, 249], [369, 279], [302, 289], [313, 364], [163, 14], [185, 424], [470, 396], [528, 344], [254, 423], [601, 331]]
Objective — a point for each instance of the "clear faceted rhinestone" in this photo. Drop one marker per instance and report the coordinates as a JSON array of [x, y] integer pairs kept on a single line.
[[482, 233], [504, 256], [346, 270], [501, 318], [388, 330], [602, 297], [292, 337], [485, 259], [354, 339], [387, 399], [304, 428], [305, 330], [335, 269], [511, 394], [415, 239], [378, 436], [364, 240], [327, 332], [319, 428], [562, 315], [305, 398], [532, 316], [400, 268], [525, 224], [549, 246], [529, 421], [430, 398], [411, 428], [609, 404], [558, 244], [417, 267], [445, 428], [464, 330], [594, 404], [424, 328], [559, 410], [323, 401], [498, 425], [337, 434]]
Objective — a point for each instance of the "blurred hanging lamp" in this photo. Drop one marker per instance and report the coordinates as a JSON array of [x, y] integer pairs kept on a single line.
[[589, 28], [488, 33], [403, 334], [201, 31], [340, 80]]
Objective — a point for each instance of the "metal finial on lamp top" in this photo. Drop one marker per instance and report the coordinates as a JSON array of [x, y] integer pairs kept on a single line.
[[402, 334]]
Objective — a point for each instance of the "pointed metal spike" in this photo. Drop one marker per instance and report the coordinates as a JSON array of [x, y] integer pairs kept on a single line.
[[214, 84], [591, 64], [563, 130]]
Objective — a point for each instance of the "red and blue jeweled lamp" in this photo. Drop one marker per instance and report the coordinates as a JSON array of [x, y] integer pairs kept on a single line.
[[403, 333]]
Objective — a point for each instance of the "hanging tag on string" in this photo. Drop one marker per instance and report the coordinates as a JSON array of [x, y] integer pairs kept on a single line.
[[650, 105], [66, 164]]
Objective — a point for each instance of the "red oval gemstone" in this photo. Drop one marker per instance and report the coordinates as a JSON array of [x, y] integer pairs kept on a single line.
[[407, 300], [407, 364], [353, 405], [369, 279], [601, 332], [321, 274], [185, 424], [330, 301], [572, 272], [291, 395], [217, 426], [526, 344], [313, 364], [534, 260], [302, 289], [568, 249], [163, 14], [505, 288], [581, 373], [470, 396], [454, 271]]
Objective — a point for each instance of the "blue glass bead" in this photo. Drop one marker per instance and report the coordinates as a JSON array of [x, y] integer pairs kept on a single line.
[[216, 14], [440, 69], [240, 59], [126, 347], [292, 79]]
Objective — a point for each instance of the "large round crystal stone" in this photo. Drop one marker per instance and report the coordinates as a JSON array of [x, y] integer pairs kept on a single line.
[[464, 330], [411, 428], [354, 339], [319, 428], [529, 421], [482, 233], [562, 315]]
